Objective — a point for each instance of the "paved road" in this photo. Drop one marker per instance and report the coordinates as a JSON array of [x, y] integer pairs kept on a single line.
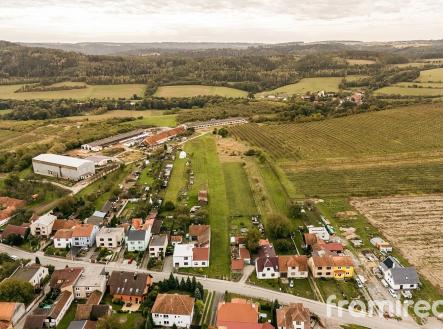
[[221, 286]]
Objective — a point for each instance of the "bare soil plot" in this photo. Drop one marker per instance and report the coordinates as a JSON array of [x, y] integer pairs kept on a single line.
[[414, 225]]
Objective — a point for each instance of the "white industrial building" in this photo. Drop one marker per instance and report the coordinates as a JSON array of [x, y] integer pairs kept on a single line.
[[61, 166]]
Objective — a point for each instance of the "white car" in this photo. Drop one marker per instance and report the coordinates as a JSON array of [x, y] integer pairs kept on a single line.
[[291, 284], [406, 294], [359, 283], [393, 293]]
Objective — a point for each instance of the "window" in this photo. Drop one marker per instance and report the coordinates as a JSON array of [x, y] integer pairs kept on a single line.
[[272, 274], [203, 263], [318, 273], [328, 273], [263, 275], [328, 267]]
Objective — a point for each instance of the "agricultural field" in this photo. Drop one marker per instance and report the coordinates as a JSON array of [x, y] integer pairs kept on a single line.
[[413, 224], [434, 75], [385, 152], [305, 85], [360, 61], [356, 77], [198, 90], [91, 91], [410, 89]]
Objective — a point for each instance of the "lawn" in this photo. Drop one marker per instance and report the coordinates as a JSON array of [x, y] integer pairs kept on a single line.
[[177, 180], [129, 320], [91, 91], [209, 175], [68, 317], [305, 85], [198, 90], [399, 89]]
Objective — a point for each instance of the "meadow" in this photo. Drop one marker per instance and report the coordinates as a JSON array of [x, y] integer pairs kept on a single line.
[[91, 91], [198, 90], [384, 152], [328, 84], [434, 75], [360, 61]]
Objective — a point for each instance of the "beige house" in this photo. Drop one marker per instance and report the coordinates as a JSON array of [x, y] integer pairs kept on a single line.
[[110, 237], [157, 245], [295, 267], [43, 225], [92, 279]]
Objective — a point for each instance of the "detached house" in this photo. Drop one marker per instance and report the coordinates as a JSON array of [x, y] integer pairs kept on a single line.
[[293, 316], [42, 226], [267, 268], [34, 274], [130, 287], [137, 240], [173, 309], [83, 235], [201, 234], [397, 276], [293, 267], [110, 237], [157, 246], [65, 279]]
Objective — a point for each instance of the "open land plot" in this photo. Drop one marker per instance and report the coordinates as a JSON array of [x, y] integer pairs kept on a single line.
[[360, 61], [413, 64], [413, 224], [209, 175], [399, 89], [177, 181], [306, 85], [198, 90], [91, 91], [434, 75], [356, 77]]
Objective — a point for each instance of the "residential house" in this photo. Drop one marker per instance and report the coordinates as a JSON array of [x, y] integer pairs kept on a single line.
[[203, 197], [8, 207], [34, 274], [239, 314], [110, 237], [137, 240], [10, 230], [200, 257], [158, 245], [176, 239], [173, 309], [65, 279], [293, 267], [42, 226], [63, 238], [333, 247], [293, 316], [59, 309], [321, 232], [237, 265], [200, 234], [265, 249], [130, 287], [83, 235], [381, 245], [10, 314], [91, 280], [66, 224], [267, 268], [187, 255], [397, 276], [97, 218], [326, 265]]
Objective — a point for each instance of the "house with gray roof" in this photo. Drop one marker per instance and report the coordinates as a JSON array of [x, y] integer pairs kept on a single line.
[[397, 276], [34, 274], [137, 240], [157, 246]]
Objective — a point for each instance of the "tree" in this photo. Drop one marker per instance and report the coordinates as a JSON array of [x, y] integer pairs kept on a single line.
[[252, 239], [169, 206], [182, 285], [194, 283], [13, 240], [223, 132], [188, 285], [174, 326], [199, 306], [279, 226], [295, 210], [197, 294], [12, 290]]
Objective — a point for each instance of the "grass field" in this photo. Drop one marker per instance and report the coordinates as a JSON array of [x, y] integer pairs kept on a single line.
[[198, 90], [209, 175], [434, 75], [356, 77], [404, 90], [91, 91], [177, 181], [392, 151], [306, 85], [360, 61]]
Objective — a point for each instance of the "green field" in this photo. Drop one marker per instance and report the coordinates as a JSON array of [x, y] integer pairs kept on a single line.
[[91, 91], [360, 61], [177, 180], [434, 75], [402, 89], [198, 90], [392, 151], [356, 77], [305, 85], [209, 175]]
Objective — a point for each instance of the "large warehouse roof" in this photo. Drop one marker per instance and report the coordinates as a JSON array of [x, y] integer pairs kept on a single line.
[[61, 160]]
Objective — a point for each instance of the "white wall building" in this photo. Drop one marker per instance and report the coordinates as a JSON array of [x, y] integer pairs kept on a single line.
[[320, 232], [43, 225], [170, 309], [110, 237], [34, 274], [397, 276], [267, 268], [61, 166], [137, 240], [93, 278], [83, 235], [182, 256], [157, 245]]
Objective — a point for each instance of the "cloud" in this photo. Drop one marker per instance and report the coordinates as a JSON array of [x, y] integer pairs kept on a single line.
[[218, 20]]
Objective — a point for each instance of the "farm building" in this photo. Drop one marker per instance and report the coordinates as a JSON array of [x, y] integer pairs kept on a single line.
[[98, 145], [216, 123], [61, 166], [164, 136], [100, 160]]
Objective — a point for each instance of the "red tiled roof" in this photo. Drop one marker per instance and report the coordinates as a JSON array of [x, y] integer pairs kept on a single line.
[[238, 311], [13, 229], [9, 205], [244, 253], [173, 304], [82, 230], [287, 315], [200, 254], [64, 224], [164, 135], [65, 277], [63, 234], [137, 223], [301, 262], [237, 264]]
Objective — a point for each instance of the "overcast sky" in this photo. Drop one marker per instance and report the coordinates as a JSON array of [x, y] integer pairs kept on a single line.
[[268, 21]]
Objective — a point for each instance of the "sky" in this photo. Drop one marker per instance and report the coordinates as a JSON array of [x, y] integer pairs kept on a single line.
[[267, 21]]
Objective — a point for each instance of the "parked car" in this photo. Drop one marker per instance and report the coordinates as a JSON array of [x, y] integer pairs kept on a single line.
[[291, 284], [393, 293], [359, 283], [406, 294]]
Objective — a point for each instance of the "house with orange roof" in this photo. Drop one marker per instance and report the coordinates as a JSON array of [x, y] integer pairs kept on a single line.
[[66, 224], [10, 230], [83, 235], [176, 239], [293, 267], [173, 309], [137, 224], [239, 314], [63, 238], [200, 234], [328, 265], [293, 316], [10, 314], [164, 136], [8, 207]]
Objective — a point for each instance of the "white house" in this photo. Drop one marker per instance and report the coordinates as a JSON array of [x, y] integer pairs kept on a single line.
[[320, 232], [59, 309], [63, 238], [397, 276], [34, 274], [381, 245], [182, 256], [92, 279], [42, 226], [293, 267], [157, 245], [137, 240], [110, 237], [170, 309], [61, 166], [267, 267], [83, 235]]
